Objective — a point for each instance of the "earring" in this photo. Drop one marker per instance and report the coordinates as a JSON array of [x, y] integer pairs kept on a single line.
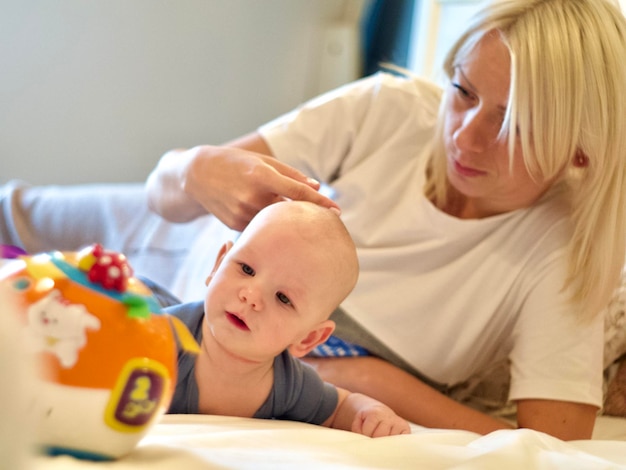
[[581, 160]]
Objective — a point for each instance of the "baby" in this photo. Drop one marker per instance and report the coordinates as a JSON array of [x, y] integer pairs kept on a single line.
[[268, 302]]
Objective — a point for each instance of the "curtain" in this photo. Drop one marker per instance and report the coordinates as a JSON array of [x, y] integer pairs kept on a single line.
[[386, 33]]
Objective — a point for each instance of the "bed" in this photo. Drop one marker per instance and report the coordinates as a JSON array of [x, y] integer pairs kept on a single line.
[[201, 442], [193, 442]]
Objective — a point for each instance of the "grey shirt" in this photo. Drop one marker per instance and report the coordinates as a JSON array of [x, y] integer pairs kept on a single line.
[[298, 393]]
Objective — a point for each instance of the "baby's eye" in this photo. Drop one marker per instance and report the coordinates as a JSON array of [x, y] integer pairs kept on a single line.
[[282, 298], [247, 269]]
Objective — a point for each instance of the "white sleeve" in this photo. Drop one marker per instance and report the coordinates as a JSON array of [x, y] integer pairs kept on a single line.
[[556, 355]]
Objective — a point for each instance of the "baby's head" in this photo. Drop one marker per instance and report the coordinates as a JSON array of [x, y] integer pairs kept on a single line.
[[278, 284], [308, 237]]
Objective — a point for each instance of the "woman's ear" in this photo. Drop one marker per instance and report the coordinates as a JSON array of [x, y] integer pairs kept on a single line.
[[316, 336], [218, 260]]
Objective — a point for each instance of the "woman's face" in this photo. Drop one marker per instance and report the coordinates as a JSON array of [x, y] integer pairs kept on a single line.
[[478, 167]]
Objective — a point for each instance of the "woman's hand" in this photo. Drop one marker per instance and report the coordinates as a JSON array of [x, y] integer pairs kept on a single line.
[[233, 183]]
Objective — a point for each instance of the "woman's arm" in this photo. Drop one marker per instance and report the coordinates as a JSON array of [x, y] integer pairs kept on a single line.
[[565, 420], [406, 395], [423, 405], [232, 182]]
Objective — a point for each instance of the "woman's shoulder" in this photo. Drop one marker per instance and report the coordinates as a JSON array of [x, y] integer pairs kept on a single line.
[[403, 90], [406, 99], [408, 82], [553, 211], [543, 232]]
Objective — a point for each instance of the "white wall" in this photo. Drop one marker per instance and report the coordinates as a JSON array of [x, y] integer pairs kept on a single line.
[[436, 25], [94, 90]]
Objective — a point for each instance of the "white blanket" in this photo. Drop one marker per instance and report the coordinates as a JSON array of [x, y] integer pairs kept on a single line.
[[195, 442]]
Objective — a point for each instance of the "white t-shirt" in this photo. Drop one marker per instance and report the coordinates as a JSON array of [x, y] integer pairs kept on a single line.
[[452, 297]]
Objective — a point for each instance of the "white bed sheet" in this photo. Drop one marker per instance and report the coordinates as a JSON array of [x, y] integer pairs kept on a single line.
[[195, 442]]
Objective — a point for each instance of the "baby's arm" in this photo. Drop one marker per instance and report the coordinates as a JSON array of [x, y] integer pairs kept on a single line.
[[359, 413]]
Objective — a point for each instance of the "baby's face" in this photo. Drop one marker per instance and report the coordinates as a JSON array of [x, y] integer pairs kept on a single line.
[[268, 293]]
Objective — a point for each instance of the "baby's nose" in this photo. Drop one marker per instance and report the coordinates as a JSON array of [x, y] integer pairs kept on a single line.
[[252, 296]]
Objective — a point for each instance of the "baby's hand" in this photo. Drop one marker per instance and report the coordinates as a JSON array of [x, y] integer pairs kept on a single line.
[[377, 420]]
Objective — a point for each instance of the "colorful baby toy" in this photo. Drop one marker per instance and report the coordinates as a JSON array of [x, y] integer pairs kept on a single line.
[[106, 355]]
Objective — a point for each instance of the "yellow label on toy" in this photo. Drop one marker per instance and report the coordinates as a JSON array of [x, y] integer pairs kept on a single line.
[[137, 396]]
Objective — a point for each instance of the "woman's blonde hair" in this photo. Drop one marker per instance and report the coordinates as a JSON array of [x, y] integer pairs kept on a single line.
[[567, 101]]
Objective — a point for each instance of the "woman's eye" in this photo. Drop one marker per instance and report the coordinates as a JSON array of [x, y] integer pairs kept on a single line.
[[247, 269], [462, 91], [282, 298]]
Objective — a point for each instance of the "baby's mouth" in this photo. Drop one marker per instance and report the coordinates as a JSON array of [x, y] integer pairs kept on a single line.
[[238, 322]]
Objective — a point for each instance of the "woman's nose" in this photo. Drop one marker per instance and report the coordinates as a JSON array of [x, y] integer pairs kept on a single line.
[[476, 132], [252, 296]]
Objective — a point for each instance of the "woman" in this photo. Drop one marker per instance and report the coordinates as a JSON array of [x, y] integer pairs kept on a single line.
[[491, 231], [489, 216]]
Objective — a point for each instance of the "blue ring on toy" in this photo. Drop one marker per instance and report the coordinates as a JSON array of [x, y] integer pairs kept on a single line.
[[80, 277]]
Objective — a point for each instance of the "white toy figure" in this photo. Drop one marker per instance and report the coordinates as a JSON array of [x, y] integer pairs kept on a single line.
[[58, 327]]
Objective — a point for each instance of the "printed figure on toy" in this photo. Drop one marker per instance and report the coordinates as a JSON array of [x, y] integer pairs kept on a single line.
[[58, 327]]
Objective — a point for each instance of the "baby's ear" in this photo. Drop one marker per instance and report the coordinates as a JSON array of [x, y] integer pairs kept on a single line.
[[218, 260], [316, 336]]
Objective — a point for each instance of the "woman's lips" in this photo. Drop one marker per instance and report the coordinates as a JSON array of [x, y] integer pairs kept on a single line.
[[238, 322], [467, 171]]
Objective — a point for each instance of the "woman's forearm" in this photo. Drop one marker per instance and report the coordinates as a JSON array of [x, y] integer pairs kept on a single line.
[[165, 188], [405, 394], [421, 404]]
